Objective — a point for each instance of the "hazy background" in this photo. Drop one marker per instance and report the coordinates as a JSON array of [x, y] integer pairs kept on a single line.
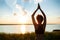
[[11, 11], [19, 12]]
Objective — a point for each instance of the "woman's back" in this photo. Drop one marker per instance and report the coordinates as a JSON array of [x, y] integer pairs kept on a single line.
[[39, 30]]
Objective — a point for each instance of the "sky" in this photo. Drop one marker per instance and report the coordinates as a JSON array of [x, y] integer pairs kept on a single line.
[[20, 11]]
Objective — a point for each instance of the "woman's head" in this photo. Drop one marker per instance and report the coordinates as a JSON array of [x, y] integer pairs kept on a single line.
[[39, 18]]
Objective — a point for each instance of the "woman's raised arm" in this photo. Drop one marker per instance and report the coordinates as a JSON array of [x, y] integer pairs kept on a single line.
[[43, 15], [33, 19]]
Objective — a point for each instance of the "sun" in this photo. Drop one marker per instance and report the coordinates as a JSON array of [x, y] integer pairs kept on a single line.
[[23, 29], [23, 19]]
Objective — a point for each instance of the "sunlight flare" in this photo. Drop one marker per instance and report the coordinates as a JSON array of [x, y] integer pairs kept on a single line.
[[23, 29], [23, 19]]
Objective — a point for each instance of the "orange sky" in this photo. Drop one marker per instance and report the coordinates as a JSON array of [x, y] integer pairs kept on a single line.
[[26, 20]]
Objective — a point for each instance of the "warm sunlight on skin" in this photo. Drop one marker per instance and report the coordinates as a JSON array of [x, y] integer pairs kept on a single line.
[[23, 29]]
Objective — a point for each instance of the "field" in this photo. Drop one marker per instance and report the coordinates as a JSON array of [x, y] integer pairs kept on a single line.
[[29, 36]]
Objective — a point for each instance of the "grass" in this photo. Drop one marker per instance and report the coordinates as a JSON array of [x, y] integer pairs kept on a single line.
[[29, 36]]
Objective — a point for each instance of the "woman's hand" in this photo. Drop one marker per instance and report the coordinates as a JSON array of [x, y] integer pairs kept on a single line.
[[38, 6]]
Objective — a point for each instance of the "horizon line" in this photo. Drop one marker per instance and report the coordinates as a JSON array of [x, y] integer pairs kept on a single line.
[[27, 24]]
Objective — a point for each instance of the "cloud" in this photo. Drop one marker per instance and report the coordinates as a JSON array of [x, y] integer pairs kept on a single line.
[[58, 17], [27, 0], [19, 10], [37, 1], [11, 3]]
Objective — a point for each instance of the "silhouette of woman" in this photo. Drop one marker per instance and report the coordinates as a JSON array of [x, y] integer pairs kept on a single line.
[[40, 27]]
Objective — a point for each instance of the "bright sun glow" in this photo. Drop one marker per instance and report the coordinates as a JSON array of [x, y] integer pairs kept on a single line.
[[23, 19], [23, 29]]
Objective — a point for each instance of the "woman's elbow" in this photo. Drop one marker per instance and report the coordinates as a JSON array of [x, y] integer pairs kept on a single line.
[[32, 15]]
